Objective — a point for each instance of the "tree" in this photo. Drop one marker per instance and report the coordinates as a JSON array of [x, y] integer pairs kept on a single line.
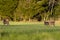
[[7, 7], [28, 9], [57, 9]]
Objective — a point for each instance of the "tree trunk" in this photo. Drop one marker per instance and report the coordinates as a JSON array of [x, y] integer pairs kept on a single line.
[[14, 19], [29, 20], [0, 17]]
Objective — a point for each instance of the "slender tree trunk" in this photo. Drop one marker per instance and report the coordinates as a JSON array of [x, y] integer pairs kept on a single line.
[[14, 19], [0, 17], [29, 20]]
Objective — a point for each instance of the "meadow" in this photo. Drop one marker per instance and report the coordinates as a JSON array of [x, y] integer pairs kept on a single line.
[[29, 31]]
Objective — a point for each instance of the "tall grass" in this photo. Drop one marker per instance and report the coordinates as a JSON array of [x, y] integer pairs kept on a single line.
[[34, 31], [31, 36]]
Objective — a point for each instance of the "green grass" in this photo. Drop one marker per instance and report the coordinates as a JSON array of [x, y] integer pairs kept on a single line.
[[31, 36], [29, 31]]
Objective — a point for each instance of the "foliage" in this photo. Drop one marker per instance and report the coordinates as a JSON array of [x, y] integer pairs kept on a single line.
[[27, 9], [7, 7]]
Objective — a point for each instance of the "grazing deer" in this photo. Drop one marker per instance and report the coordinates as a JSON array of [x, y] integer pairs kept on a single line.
[[6, 21], [46, 22], [51, 23]]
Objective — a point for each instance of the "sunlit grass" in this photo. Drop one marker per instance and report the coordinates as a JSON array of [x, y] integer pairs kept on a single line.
[[57, 23]]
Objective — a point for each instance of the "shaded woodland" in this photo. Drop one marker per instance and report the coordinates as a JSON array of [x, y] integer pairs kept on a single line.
[[27, 10]]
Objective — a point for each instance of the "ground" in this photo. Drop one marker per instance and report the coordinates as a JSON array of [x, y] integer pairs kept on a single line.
[[29, 31], [57, 23]]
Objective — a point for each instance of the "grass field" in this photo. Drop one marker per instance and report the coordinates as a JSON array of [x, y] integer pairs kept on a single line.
[[29, 31]]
